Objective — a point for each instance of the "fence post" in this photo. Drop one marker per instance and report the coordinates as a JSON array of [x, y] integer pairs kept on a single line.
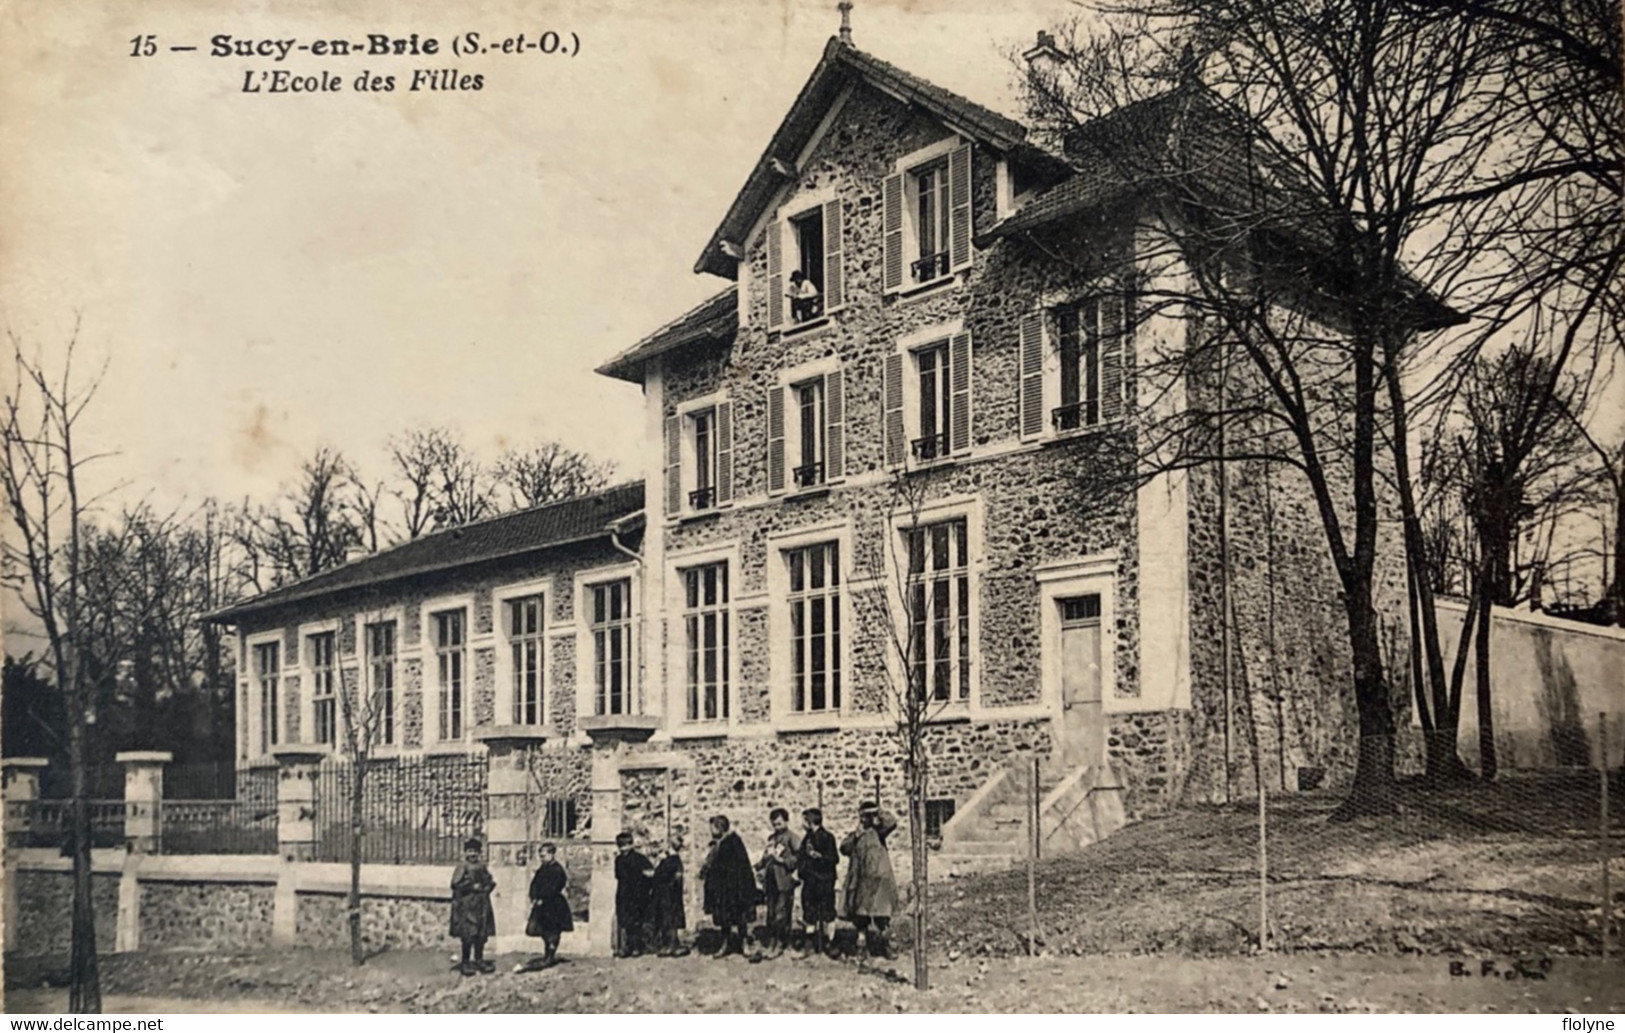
[[20, 787], [144, 799], [1607, 914], [296, 781]]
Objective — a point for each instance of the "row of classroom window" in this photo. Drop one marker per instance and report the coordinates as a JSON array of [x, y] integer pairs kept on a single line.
[[939, 605], [1071, 360]]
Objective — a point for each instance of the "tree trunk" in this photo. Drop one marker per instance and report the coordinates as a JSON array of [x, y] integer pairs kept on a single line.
[[1481, 659], [1619, 551], [358, 769], [84, 977], [920, 850], [1373, 790]]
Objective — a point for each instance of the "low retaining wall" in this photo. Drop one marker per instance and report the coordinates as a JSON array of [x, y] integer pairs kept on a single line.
[[244, 903]]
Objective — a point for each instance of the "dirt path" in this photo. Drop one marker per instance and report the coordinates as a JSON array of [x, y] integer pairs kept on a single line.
[[421, 981]]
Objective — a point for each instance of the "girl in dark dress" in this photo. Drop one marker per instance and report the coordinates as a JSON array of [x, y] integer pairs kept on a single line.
[[549, 911], [667, 916], [472, 920]]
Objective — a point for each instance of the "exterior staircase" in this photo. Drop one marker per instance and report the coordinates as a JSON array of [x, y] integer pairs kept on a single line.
[[1076, 806]]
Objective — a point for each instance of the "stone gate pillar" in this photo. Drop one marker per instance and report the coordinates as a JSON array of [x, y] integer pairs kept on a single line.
[[610, 734], [296, 801], [20, 788], [510, 825], [144, 798]]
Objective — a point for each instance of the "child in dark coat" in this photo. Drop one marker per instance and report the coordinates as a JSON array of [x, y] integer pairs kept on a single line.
[[816, 865], [549, 911], [632, 874], [667, 916], [472, 920], [730, 887]]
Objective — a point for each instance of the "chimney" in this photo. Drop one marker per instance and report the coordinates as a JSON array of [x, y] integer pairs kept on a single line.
[[355, 552], [1044, 57], [845, 7]]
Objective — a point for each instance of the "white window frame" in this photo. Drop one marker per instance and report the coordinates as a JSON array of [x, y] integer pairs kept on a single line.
[[397, 614], [678, 725], [910, 346], [586, 657], [789, 380], [1050, 319], [503, 666], [259, 745], [431, 667], [307, 684], [790, 245], [689, 477], [780, 672], [910, 166], [971, 510]]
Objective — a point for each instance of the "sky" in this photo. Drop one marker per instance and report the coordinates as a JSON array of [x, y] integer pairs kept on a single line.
[[267, 273]]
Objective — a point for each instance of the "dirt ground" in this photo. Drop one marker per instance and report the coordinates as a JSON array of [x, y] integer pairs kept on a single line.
[[423, 981]]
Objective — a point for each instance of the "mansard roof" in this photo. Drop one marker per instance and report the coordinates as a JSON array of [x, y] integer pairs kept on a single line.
[[548, 526], [841, 65], [714, 319]]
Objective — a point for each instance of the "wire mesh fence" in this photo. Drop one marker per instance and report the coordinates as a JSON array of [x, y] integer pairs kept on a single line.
[[413, 810]]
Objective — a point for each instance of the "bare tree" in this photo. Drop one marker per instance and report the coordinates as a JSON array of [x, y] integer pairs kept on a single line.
[[309, 528], [441, 484], [42, 479], [363, 711], [548, 472]]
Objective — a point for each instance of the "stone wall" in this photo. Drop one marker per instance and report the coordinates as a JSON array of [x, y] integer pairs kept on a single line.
[[45, 907], [395, 922], [227, 916]]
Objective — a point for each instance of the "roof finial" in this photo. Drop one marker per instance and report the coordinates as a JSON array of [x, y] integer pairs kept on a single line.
[[845, 7]]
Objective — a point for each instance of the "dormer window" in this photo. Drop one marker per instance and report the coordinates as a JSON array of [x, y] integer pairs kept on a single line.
[[806, 281], [926, 217]]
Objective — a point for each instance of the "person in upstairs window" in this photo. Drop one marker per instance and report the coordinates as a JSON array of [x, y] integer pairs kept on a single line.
[[803, 294], [871, 889], [472, 920]]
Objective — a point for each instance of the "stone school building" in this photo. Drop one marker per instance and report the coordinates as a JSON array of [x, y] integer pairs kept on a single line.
[[865, 468]]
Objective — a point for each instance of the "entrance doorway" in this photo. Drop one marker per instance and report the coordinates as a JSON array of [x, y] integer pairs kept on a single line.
[[1083, 736]]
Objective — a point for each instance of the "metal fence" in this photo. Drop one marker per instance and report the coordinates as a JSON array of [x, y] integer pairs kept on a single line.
[[414, 810], [218, 827]]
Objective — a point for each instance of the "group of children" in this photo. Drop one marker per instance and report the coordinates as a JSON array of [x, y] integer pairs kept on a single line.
[[649, 912]]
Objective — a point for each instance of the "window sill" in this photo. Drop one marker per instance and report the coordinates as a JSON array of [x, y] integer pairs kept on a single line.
[[928, 289], [700, 730], [455, 748], [950, 714], [1061, 437], [817, 491], [791, 724], [695, 516], [811, 326], [924, 465]]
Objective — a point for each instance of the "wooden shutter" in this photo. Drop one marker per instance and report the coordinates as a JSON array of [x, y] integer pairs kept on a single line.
[[892, 231], [775, 274], [834, 285], [674, 465], [959, 208], [959, 360], [835, 434], [892, 393], [725, 453], [1032, 375], [1111, 356], [775, 440]]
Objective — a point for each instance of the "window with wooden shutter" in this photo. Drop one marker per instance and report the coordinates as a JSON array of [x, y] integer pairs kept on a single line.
[[834, 275], [1032, 376], [959, 363], [1114, 354], [959, 200], [892, 231], [725, 453], [775, 440], [775, 274], [835, 411], [674, 466], [892, 391]]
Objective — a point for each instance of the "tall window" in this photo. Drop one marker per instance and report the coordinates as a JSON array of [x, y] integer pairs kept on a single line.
[[807, 291], [449, 636], [525, 628], [935, 401], [705, 619], [939, 610], [381, 678], [323, 682], [703, 428], [810, 429], [268, 671], [815, 627], [611, 619], [931, 222], [1078, 333]]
